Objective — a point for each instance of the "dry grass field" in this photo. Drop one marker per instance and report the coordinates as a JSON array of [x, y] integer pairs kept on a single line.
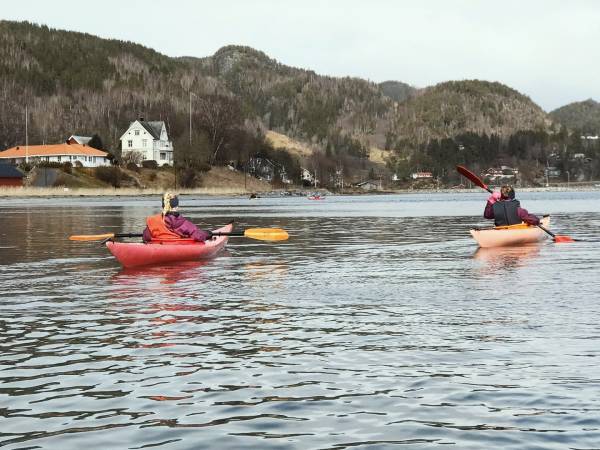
[[218, 181]]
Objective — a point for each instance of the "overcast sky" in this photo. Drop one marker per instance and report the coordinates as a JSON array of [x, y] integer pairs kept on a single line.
[[546, 49]]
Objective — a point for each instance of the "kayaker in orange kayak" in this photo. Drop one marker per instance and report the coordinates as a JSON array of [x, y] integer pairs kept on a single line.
[[506, 210], [170, 225]]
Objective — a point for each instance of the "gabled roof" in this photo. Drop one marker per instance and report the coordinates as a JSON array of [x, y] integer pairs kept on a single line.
[[154, 128], [51, 150], [80, 139], [8, 171]]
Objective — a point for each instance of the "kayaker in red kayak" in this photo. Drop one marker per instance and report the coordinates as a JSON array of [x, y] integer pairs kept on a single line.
[[506, 210], [170, 225]]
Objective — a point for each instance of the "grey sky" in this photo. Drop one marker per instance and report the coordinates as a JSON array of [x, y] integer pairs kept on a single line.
[[546, 49]]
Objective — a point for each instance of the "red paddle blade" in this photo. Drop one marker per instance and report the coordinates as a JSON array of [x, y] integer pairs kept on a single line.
[[471, 176], [559, 239]]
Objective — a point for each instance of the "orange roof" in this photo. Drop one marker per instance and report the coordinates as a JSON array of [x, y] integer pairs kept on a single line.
[[51, 150]]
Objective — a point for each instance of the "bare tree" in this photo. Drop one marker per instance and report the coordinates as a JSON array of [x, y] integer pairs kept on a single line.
[[218, 116]]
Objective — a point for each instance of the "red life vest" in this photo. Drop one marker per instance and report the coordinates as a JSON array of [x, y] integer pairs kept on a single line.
[[161, 233]]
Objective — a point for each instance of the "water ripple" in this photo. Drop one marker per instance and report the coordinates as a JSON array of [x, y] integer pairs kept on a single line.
[[378, 324]]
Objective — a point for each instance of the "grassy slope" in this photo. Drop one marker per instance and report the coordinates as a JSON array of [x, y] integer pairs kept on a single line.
[[218, 179]]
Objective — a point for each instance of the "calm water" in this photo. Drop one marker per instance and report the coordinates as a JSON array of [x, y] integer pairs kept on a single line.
[[378, 324]]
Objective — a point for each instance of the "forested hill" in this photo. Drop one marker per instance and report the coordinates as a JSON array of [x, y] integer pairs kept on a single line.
[[79, 83], [583, 116], [456, 107], [75, 83]]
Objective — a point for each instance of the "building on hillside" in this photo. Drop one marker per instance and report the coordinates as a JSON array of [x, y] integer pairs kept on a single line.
[[80, 155], [502, 174], [150, 140], [83, 140], [307, 176], [369, 185], [422, 176], [265, 169], [10, 176]]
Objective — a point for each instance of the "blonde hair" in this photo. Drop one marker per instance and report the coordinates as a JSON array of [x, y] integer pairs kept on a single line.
[[166, 203]]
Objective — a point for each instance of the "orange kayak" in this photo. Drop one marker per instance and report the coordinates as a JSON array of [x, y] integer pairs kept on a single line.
[[510, 235], [138, 254]]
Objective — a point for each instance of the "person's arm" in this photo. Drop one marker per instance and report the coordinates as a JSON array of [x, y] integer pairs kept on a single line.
[[147, 237], [187, 229], [488, 213], [526, 217]]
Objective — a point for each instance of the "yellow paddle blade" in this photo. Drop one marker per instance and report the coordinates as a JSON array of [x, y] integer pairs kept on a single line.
[[266, 234], [91, 237]]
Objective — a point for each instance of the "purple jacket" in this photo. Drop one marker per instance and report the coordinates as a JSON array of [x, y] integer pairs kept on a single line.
[[521, 212], [182, 227]]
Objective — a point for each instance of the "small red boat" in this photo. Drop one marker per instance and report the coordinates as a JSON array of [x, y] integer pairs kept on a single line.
[[315, 197], [131, 254]]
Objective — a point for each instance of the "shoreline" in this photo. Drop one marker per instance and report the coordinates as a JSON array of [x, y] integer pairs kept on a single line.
[[36, 192]]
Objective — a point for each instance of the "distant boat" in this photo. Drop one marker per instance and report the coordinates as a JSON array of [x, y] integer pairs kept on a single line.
[[316, 197]]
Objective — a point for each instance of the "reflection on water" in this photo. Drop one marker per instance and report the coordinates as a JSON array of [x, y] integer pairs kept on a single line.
[[377, 324], [504, 259], [162, 274]]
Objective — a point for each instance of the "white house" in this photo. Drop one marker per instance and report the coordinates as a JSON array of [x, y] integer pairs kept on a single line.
[[308, 176], [422, 176], [76, 154], [150, 139]]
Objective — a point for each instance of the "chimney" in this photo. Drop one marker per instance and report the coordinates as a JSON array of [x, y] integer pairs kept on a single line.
[[141, 119]]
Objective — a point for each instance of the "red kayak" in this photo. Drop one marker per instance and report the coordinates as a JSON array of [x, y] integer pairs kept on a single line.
[[131, 254]]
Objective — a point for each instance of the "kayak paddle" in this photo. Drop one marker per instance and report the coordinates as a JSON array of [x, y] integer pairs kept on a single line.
[[261, 234], [475, 179]]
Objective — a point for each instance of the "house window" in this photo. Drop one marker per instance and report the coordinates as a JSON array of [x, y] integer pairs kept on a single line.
[[129, 144], [59, 158], [137, 132], [163, 156], [144, 142]]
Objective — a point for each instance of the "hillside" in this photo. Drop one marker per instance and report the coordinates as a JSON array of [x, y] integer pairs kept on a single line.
[[99, 85], [79, 83], [470, 106], [397, 91], [583, 116], [242, 103]]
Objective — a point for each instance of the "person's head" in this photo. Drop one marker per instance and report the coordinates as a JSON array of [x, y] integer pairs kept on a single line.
[[170, 203], [507, 192]]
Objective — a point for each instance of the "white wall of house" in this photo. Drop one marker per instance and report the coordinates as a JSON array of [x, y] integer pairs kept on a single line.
[[138, 139], [85, 160]]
